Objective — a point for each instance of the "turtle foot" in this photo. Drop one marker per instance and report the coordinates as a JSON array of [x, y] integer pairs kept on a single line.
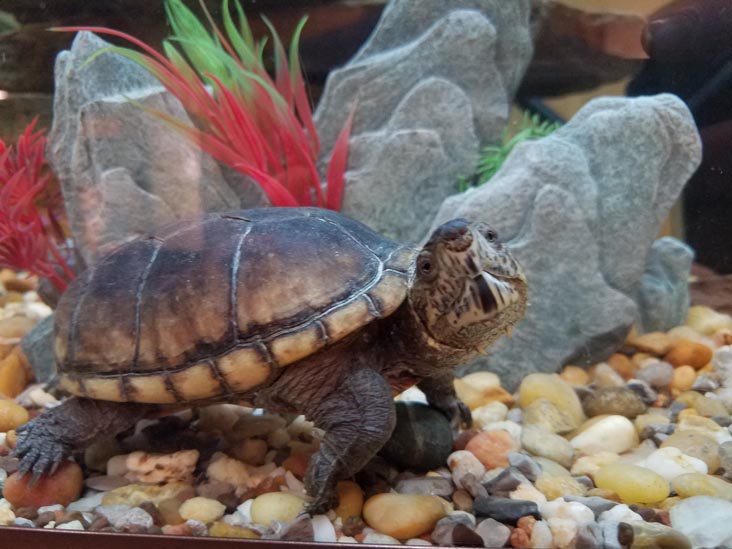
[[39, 451]]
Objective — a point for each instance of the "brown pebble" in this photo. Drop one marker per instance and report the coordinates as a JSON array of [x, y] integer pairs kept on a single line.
[[30, 513], [575, 376], [98, 524], [11, 438], [44, 518], [297, 464], [462, 501], [622, 365], [63, 487], [168, 509], [269, 484], [353, 526], [519, 538], [150, 508], [461, 441], [526, 524], [689, 353]]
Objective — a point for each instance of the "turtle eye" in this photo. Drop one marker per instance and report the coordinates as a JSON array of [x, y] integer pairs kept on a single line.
[[490, 235], [426, 266]]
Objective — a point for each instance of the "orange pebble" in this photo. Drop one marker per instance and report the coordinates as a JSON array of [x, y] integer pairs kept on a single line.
[[492, 448], [63, 487], [14, 375], [622, 365], [689, 353], [526, 523], [297, 464], [575, 376], [519, 538], [684, 377]]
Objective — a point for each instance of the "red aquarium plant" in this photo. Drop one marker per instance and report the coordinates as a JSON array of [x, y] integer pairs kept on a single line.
[[261, 126], [31, 210]]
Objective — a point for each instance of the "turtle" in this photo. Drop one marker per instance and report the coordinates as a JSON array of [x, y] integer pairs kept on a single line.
[[294, 310]]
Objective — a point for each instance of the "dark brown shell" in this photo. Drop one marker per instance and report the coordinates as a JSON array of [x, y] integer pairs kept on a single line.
[[273, 285]]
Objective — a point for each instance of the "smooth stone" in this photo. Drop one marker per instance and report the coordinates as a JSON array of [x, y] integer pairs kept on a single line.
[[657, 343], [323, 530], [464, 464], [71, 525], [202, 509], [619, 513], [504, 510], [604, 376], [550, 467], [706, 320], [698, 484], [489, 413], [689, 353], [493, 533], [575, 376], [605, 434], [403, 516], [657, 373], [589, 536], [572, 510], [554, 389], [422, 438], [12, 415], [528, 466], [528, 492], [725, 459], [544, 413], [596, 504], [480, 388], [614, 401], [632, 483], [282, 506], [543, 443], [683, 379], [223, 530], [126, 518], [87, 503], [670, 462], [350, 500], [378, 538], [425, 486], [650, 535], [492, 448], [506, 481], [697, 444], [136, 494], [455, 533], [62, 487], [558, 486], [705, 520], [541, 535], [610, 532]]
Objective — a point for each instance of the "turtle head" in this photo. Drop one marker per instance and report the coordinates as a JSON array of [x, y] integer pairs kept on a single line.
[[467, 289]]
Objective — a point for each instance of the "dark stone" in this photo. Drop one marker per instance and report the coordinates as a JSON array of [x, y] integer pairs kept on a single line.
[[589, 536], [526, 464], [427, 486], [456, 531], [38, 348], [152, 510], [506, 481], [504, 509], [614, 400], [299, 530], [597, 504], [422, 438]]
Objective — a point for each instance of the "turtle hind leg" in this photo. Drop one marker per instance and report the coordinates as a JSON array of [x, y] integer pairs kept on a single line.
[[358, 417], [49, 439]]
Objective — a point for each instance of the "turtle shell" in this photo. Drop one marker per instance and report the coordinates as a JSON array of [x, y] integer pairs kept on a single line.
[[214, 306]]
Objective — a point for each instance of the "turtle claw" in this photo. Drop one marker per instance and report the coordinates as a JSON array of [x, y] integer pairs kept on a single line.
[[39, 454]]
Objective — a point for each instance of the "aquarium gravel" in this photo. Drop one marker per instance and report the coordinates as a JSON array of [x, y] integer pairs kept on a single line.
[[635, 451]]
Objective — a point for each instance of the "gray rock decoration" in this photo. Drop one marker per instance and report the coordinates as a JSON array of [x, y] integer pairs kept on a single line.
[[581, 209], [123, 172], [432, 84]]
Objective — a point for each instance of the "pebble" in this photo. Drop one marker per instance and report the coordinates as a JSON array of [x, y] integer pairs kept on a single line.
[[605, 376], [480, 388], [589, 465], [622, 365], [528, 466], [554, 487], [323, 530], [653, 534], [350, 500], [528, 492], [704, 520], [135, 494], [605, 434], [6, 515], [657, 373], [493, 533], [683, 378], [725, 459], [614, 401], [282, 506], [126, 518], [223, 468], [492, 448], [543, 443], [63, 487], [644, 391], [379, 539], [596, 504], [222, 530], [554, 389], [704, 406], [202, 509], [696, 444], [161, 468], [589, 536], [619, 513], [632, 483], [504, 509], [463, 463], [87, 504], [13, 375], [453, 532], [422, 438], [12, 415], [72, 525], [689, 353], [698, 484], [670, 462], [544, 413], [575, 376], [541, 535], [657, 343], [425, 486], [506, 481], [706, 320], [489, 413], [403, 516]]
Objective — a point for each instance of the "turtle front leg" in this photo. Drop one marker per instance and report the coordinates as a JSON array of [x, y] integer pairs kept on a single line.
[[46, 441], [440, 393]]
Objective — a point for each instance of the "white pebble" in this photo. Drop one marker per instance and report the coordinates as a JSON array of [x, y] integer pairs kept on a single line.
[[294, 485], [347, 539], [377, 538], [413, 394], [563, 532], [513, 429], [541, 535], [51, 508], [323, 530], [6, 515], [5, 503], [417, 541], [51, 525], [20, 521], [489, 413], [670, 462], [87, 503], [615, 434], [575, 511], [462, 463], [527, 492], [619, 513], [245, 510], [73, 525]]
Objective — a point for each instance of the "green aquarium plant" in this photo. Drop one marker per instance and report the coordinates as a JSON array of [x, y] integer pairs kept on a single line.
[[261, 126], [492, 157], [32, 237]]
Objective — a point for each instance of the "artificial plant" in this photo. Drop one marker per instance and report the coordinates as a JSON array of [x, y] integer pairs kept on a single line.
[[31, 211], [258, 125]]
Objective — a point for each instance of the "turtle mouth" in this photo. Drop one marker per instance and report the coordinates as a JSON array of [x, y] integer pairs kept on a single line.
[[495, 292]]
